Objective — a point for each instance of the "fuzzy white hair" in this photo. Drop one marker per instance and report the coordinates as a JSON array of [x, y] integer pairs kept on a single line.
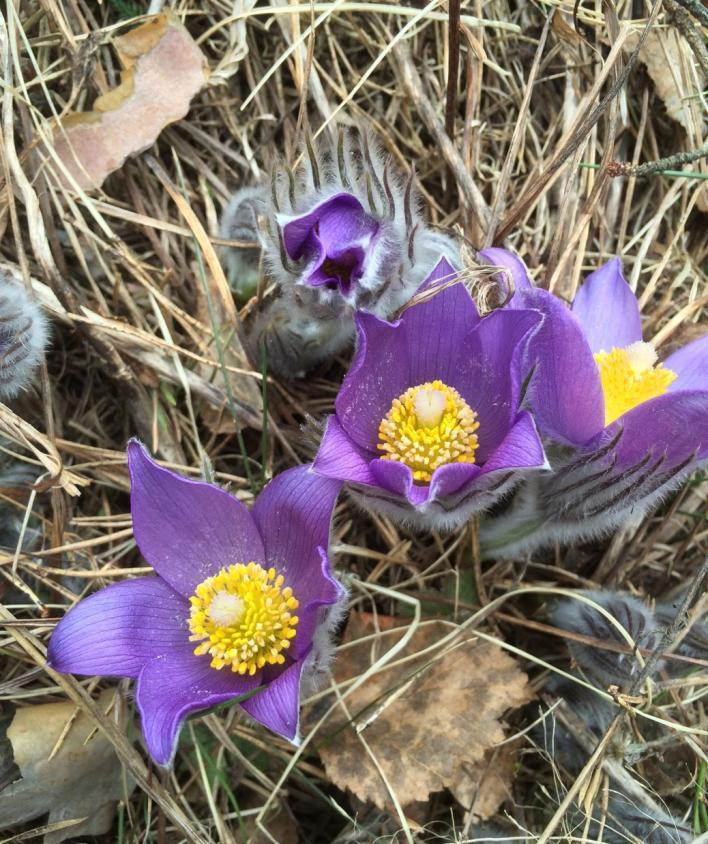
[[584, 497], [442, 515], [634, 617], [239, 222], [23, 337], [315, 671]]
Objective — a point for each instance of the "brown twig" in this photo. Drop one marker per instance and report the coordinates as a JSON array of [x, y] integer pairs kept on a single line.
[[696, 8], [453, 66], [671, 162]]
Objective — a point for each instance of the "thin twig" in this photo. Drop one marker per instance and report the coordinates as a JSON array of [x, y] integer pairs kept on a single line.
[[453, 65], [696, 8], [661, 165]]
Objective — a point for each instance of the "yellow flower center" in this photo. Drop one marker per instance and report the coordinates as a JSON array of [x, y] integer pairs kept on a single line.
[[243, 618], [630, 376], [428, 426]]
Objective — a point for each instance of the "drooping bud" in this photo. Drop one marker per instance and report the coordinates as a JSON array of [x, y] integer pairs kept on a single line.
[[23, 336], [618, 619], [239, 223]]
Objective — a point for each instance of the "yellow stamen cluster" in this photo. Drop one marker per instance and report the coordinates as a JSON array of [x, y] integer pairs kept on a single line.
[[630, 376], [428, 426], [243, 618]]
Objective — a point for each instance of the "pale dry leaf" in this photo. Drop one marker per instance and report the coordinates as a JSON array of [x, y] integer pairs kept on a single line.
[[564, 30], [433, 719], [163, 69], [84, 779], [667, 58], [482, 787], [678, 81]]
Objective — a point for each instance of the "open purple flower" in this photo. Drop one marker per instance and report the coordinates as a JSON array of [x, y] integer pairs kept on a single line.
[[629, 428], [242, 604], [427, 425]]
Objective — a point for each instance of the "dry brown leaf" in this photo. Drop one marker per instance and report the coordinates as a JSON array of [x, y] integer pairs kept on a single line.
[[564, 30], [482, 788], [163, 68], [433, 719], [84, 779], [667, 58]]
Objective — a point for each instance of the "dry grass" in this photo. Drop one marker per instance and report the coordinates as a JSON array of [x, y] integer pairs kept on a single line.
[[140, 319]]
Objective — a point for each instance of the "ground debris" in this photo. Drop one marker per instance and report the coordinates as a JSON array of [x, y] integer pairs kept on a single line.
[[430, 721]]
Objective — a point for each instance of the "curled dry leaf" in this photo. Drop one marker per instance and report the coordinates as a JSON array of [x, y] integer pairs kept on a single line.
[[431, 719], [163, 68], [83, 780], [668, 61]]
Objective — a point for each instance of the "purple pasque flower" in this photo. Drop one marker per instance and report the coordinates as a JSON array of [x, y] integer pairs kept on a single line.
[[427, 426], [342, 233], [242, 603], [338, 242], [347, 225], [627, 427]]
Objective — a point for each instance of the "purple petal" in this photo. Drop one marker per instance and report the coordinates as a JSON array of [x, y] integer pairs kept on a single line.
[[490, 373], [378, 374], [516, 277], [520, 449], [117, 630], [425, 344], [293, 514], [674, 426], [187, 530], [343, 267], [172, 687], [435, 329], [278, 705], [691, 365], [339, 457], [608, 309], [397, 478], [451, 478], [335, 223], [565, 392]]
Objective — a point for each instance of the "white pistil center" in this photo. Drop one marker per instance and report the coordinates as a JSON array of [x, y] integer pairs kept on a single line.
[[641, 356], [429, 406], [226, 609]]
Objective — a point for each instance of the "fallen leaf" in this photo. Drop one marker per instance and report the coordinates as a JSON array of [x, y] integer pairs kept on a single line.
[[485, 786], [431, 720], [678, 81], [163, 68], [667, 58], [564, 30], [84, 779]]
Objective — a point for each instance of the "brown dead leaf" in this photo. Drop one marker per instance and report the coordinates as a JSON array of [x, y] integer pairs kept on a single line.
[[564, 30], [163, 68], [678, 81], [83, 780], [485, 786], [431, 722], [667, 58]]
